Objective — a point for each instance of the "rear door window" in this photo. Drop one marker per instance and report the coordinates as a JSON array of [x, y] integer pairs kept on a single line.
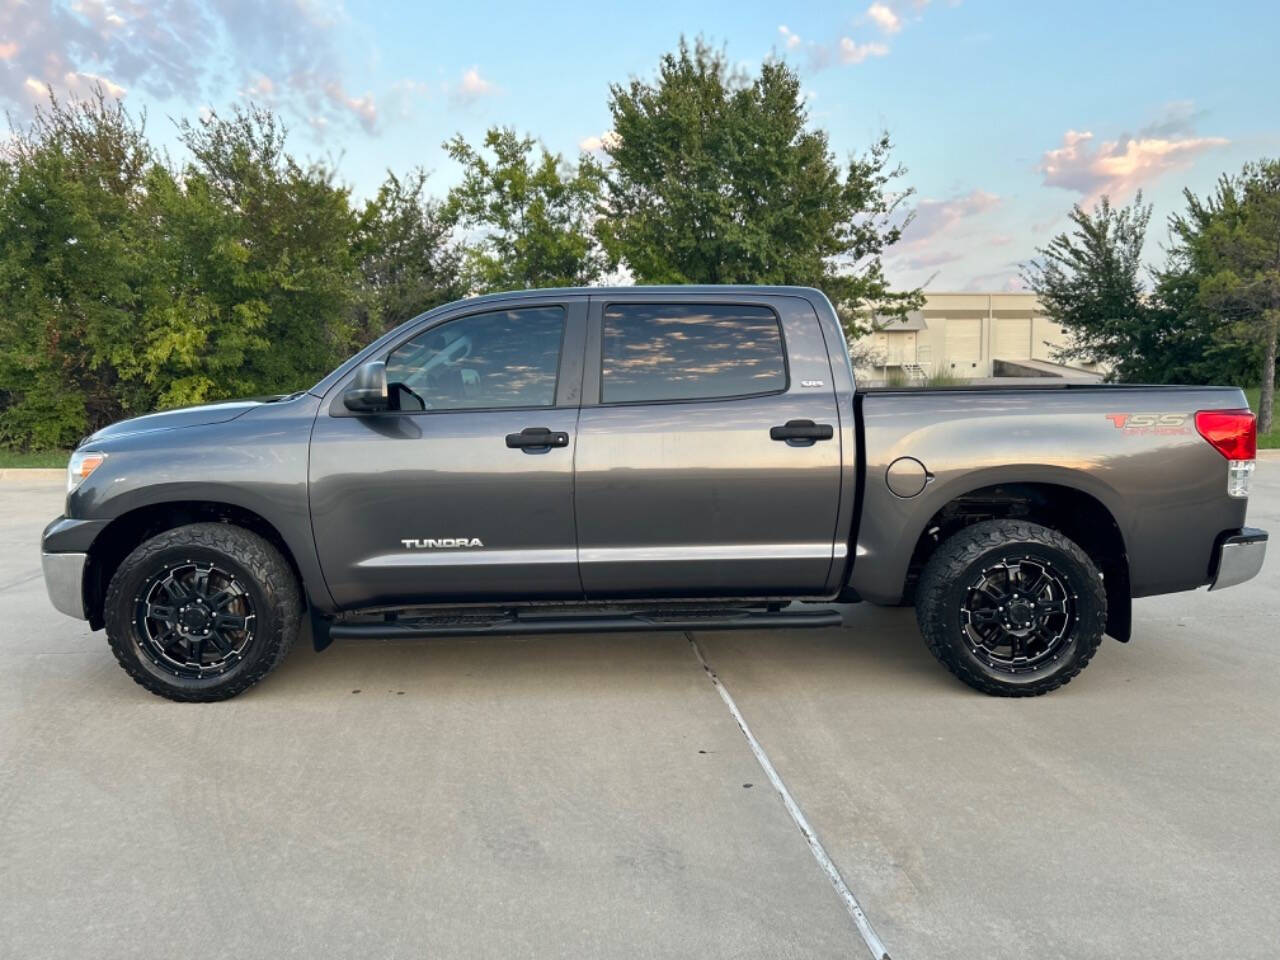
[[652, 352]]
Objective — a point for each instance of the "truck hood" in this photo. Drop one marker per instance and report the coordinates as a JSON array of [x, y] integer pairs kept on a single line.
[[181, 417]]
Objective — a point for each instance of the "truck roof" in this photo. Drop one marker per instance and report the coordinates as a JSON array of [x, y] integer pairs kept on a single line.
[[674, 289]]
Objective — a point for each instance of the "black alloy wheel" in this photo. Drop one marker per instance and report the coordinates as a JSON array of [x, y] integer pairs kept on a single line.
[[1017, 614], [194, 619]]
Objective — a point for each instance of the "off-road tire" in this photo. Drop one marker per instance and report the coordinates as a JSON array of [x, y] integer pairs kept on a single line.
[[264, 572], [943, 584]]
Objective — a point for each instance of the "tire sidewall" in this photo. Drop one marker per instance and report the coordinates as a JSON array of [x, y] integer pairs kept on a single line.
[[121, 611]]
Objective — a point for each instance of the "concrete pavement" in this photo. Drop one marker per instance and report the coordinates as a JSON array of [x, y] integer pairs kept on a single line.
[[587, 796]]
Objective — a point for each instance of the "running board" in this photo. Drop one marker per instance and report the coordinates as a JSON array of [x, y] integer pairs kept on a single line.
[[621, 623]]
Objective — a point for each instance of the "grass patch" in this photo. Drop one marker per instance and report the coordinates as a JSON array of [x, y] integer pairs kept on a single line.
[[1266, 441], [46, 458], [946, 379]]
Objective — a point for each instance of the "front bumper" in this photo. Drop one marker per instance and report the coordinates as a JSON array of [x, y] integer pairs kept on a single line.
[[1239, 558], [64, 581]]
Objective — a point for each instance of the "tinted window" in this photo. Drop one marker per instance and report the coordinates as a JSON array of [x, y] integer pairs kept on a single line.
[[689, 352], [507, 358]]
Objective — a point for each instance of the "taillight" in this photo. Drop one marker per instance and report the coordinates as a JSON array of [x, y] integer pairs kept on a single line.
[[1234, 434]]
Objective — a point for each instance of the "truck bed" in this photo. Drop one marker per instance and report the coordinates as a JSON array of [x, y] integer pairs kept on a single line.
[[1133, 449]]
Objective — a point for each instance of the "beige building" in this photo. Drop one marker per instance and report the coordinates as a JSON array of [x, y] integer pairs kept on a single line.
[[969, 335]]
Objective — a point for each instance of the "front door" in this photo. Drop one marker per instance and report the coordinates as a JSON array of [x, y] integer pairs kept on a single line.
[[465, 491], [696, 475]]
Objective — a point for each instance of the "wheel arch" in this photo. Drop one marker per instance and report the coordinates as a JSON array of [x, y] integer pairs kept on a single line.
[[126, 531], [1076, 513]]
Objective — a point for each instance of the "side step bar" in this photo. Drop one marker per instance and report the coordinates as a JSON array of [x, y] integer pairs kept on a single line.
[[586, 623]]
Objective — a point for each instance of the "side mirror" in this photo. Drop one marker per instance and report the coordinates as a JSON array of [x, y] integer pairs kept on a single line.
[[368, 391]]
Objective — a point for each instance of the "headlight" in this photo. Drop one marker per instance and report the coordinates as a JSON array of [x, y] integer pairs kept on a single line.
[[81, 464]]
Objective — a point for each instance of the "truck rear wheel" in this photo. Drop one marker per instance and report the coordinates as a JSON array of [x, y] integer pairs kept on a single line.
[[202, 612], [1012, 608]]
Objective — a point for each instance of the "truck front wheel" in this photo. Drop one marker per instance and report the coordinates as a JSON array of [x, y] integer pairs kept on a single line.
[[1012, 608], [202, 612]]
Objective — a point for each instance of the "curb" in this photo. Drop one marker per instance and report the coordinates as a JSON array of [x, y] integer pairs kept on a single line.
[[1273, 454], [19, 474]]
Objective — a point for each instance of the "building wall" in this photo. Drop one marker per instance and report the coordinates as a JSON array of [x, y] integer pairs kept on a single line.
[[965, 332]]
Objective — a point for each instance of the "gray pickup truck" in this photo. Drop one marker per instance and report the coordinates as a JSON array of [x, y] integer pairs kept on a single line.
[[645, 458]]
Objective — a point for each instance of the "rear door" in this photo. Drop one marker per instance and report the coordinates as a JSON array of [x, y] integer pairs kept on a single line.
[[708, 454], [465, 492]]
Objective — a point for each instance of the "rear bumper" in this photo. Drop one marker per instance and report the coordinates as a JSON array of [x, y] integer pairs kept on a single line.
[[64, 581], [1239, 558]]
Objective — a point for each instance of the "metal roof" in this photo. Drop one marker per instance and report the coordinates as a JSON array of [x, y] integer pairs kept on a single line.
[[913, 321]]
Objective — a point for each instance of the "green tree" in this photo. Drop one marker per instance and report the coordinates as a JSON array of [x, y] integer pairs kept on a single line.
[[125, 286], [533, 211], [716, 178], [75, 276], [1089, 281], [405, 255], [284, 269], [1229, 243], [1187, 345]]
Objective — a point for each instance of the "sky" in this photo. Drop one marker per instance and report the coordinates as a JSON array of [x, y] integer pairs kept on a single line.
[[1004, 114]]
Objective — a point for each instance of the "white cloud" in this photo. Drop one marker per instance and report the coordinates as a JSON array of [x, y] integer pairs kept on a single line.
[[101, 15], [932, 258], [1006, 280], [941, 231], [197, 50], [1118, 168], [934, 216], [889, 17], [606, 139], [472, 87], [82, 84], [884, 17], [78, 85], [851, 52]]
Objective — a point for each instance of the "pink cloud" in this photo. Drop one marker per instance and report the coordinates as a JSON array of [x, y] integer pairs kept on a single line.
[[362, 108], [1118, 168], [472, 87]]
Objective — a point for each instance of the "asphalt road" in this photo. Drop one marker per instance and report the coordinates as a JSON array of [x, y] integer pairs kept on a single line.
[[594, 797]]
